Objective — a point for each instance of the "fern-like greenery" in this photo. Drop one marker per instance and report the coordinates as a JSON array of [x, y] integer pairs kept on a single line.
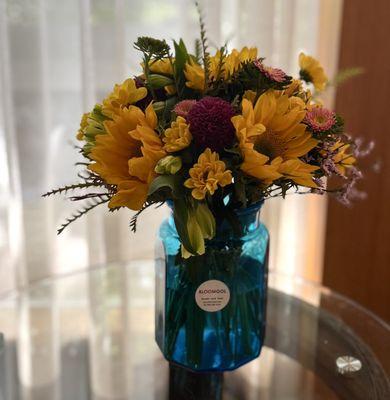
[[134, 218], [65, 189], [94, 199], [198, 51], [204, 46], [86, 208], [345, 75]]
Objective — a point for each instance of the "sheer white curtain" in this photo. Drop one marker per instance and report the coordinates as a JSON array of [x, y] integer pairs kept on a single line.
[[59, 57]]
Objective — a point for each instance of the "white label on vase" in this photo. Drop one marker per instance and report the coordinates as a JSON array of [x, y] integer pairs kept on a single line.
[[212, 295]]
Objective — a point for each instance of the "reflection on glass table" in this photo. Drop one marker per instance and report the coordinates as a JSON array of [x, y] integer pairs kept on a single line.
[[90, 335]]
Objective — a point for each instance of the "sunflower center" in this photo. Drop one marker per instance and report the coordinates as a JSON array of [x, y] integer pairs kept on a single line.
[[136, 149], [269, 144], [304, 75]]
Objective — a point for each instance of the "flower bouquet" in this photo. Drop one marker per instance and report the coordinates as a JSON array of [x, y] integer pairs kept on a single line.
[[213, 136]]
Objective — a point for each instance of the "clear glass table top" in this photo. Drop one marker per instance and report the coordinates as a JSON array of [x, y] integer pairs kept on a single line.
[[90, 335]]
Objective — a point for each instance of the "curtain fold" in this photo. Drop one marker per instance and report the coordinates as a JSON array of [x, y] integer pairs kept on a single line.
[[57, 59]]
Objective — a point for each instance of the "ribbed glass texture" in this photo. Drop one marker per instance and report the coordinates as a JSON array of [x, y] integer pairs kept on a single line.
[[221, 340]]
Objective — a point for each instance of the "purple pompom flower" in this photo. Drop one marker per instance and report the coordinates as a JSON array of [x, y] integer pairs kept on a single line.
[[211, 125]]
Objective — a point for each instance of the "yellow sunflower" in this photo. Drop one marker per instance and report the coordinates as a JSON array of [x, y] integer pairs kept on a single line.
[[270, 133], [298, 171], [312, 71], [343, 159], [194, 72], [207, 174], [236, 58], [123, 95], [162, 66], [178, 136], [293, 88], [127, 155]]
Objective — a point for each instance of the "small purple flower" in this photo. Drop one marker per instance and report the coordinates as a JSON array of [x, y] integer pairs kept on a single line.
[[329, 167], [320, 119], [349, 192], [274, 74], [321, 187], [183, 107], [359, 151]]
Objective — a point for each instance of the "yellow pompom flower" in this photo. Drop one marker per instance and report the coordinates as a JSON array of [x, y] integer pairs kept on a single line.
[[207, 174], [127, 155], [312, 71], [123, 95], [178, 136], [270, 133]]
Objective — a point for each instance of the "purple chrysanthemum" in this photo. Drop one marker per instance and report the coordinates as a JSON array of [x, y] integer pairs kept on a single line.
[[274, 74], [320, 119], [210, 123], [183, 107]]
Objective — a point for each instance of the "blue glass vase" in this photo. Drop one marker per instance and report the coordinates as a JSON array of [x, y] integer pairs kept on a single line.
[[210, 309]]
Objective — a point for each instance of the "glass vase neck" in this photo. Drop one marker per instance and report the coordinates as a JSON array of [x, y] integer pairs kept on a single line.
[[238, 225]]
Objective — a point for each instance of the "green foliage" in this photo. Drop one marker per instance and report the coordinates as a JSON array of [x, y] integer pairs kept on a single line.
[[152, 48], [158, 81], [172, 183], [204, 44], [194, 223], [251, 78], [181, 211], [90, 205], [164, 112], [134, 218], [345, 75], [94, 127], [198, 51], [181, 58], [67, 188], [90, 180]]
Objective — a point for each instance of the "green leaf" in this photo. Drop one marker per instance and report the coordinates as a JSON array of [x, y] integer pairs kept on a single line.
[[195, 234], [157, 81], [173, 182], [181, 57], [180, 216], [239, 191], [206, 220], [234, 221], [169, 105]]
